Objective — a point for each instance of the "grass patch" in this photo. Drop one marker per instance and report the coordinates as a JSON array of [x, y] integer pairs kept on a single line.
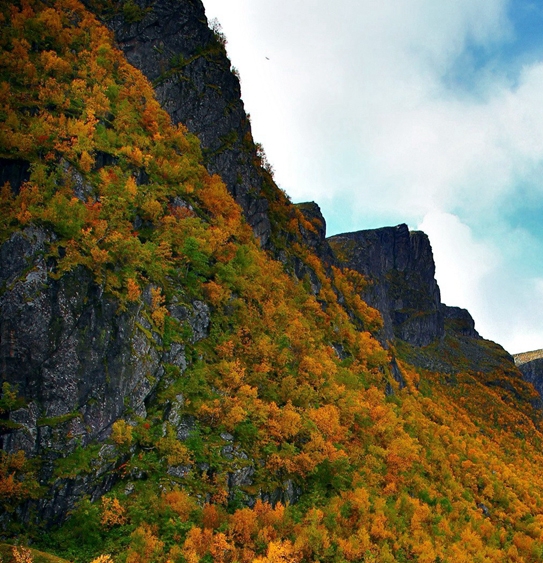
[[6, 555]]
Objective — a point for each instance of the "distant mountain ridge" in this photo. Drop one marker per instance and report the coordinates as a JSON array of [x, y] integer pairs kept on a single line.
[[525, 357], [531, 366]]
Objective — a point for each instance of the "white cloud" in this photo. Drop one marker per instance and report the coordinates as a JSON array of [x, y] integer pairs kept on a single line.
[[462, 262], [512, 310], [356, 104], [517, 302], [481, 276], [359, 74]]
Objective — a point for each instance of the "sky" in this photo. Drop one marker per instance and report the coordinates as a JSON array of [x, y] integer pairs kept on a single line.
[[411, 111]]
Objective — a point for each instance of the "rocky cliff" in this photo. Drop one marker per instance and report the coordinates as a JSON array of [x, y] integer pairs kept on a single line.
[[79, 363], [171, 43], [154, 355], [531, 366], [75, 356], [400, 270]]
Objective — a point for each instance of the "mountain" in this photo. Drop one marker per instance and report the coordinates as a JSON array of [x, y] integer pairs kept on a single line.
[[526, 357], [531, 366], [191, 370]]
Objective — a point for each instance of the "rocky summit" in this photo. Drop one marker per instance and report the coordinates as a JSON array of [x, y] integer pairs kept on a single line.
[[191, 369]]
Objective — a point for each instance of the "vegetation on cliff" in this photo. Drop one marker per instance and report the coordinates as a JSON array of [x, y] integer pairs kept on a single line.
[[286, 438]]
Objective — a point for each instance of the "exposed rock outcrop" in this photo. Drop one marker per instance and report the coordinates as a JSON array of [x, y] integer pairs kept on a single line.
[[458, 321], [399, 266], [525, 357], [400, 270], [531, 366], [79, 362], [173, 46]]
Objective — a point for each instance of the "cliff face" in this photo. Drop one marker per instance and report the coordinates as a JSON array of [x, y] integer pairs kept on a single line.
[[533, 373], [152, 352], [399, 266], [173, 46], [79, 363], [531, 366]]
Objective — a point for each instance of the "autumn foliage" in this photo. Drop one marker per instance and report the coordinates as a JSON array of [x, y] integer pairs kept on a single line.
[[290, 393]]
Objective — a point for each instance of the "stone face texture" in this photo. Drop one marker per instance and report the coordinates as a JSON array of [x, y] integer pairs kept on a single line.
[[399, 266], [174, 48], [65, 346], [79, 362], [532, 372], [460, 321]]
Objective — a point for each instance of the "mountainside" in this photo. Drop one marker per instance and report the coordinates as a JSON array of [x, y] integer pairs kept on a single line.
[[191, 371], [400, 269], [170, 43], [531, 366]]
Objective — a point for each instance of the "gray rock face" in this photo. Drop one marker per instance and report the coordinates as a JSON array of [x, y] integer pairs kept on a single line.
[[78, 362], [400, 268], [459, 321], [173, 46], [65, 347], [289, 493], [532, 372]]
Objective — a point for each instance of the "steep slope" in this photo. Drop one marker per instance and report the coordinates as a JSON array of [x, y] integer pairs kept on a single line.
[[171, 44], [399, 269], [179, 393], [81, 315], [531, 366]]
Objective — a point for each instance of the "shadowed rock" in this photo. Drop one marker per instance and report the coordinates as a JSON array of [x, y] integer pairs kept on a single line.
[[399, 266], [531, 366], [174, 48], [79, 362]]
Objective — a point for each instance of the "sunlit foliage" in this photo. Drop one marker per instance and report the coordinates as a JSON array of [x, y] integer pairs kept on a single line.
[[288, 383]]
